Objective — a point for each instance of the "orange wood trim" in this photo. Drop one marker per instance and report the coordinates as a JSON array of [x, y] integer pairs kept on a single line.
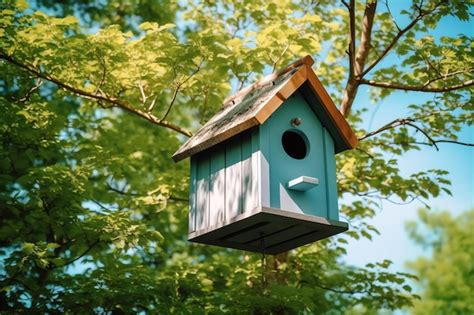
[[270, 107], [294, 83], [278, 94], [281, 95], [339, 121]]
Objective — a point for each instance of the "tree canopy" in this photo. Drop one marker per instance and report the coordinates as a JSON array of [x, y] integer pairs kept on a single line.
[[95, 100], [447, 277]]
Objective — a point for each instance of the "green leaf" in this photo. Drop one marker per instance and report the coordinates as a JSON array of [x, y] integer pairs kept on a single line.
[[407, 288], [53, 246], [69, 20], [28, 247], [148, 26], [7, 12]]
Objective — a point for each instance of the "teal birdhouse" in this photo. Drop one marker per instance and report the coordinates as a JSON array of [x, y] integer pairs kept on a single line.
[[263, 171]]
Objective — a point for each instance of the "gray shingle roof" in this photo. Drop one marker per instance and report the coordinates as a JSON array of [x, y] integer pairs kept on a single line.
[[248, 108]]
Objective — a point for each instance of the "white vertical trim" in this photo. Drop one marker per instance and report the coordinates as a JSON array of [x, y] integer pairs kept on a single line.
[[264, 180]]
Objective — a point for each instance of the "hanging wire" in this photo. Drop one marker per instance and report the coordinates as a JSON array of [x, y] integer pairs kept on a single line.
[[264, 266]]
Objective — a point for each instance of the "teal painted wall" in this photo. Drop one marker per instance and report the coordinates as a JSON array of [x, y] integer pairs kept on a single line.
[[319, 161]]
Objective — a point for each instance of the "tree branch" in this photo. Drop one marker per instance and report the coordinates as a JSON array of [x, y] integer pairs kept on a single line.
[[28, 94], [411, 122], [81, 255], [345, 4], [395, 123], [357, 61], [421, 14], [173, 99], [421, 88], [447, 75], [365, 152], [178, 87], [365, 38], [352, 37], [455, 142], [391, 15], [142, 93], [339, 291], [124, 193], [98, 97], [275, 63], [152, 105], [351, 87]]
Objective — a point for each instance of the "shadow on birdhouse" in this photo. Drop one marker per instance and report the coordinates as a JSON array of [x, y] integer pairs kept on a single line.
[[263, 171]]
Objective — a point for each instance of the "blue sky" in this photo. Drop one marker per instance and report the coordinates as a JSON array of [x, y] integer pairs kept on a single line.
[[393, 243]]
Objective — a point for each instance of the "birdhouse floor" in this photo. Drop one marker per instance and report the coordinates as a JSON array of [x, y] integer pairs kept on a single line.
[[270, 231]]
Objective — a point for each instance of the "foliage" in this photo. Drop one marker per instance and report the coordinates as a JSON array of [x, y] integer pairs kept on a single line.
[[128, 14], [446, 278], [94, 212]]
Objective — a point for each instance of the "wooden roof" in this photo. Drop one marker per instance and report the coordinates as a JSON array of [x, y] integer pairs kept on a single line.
[[253, 105]]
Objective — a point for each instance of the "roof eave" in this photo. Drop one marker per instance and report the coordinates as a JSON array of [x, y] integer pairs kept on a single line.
[[338, 120]]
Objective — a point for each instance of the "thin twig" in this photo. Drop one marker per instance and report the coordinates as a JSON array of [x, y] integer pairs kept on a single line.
[[104, 72], [421, 88], [142, 92], [28, 94], [345, 4], [173, 99], [81, 255], [411, 122], [275, 63], [124, 193], [455, 142], [102, 206], [391, 15], [447, 75], [365, 152], [340, 291], [433, 142], [152, 105], [390, 125], [178, 87]]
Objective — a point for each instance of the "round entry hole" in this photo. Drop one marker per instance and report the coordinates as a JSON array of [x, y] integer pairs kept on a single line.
[[294, 144]]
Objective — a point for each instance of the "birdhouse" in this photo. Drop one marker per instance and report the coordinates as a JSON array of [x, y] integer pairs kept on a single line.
[[263, 171]]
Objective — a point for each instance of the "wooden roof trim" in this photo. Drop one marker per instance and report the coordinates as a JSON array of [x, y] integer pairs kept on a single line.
[[307, 60], [281, 95], [335, 115]]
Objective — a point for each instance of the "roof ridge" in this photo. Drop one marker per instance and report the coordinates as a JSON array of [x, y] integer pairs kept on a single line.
[[307, 60]]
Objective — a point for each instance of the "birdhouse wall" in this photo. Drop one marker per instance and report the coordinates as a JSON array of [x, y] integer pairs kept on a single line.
[[319, 161], [226, 181]]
